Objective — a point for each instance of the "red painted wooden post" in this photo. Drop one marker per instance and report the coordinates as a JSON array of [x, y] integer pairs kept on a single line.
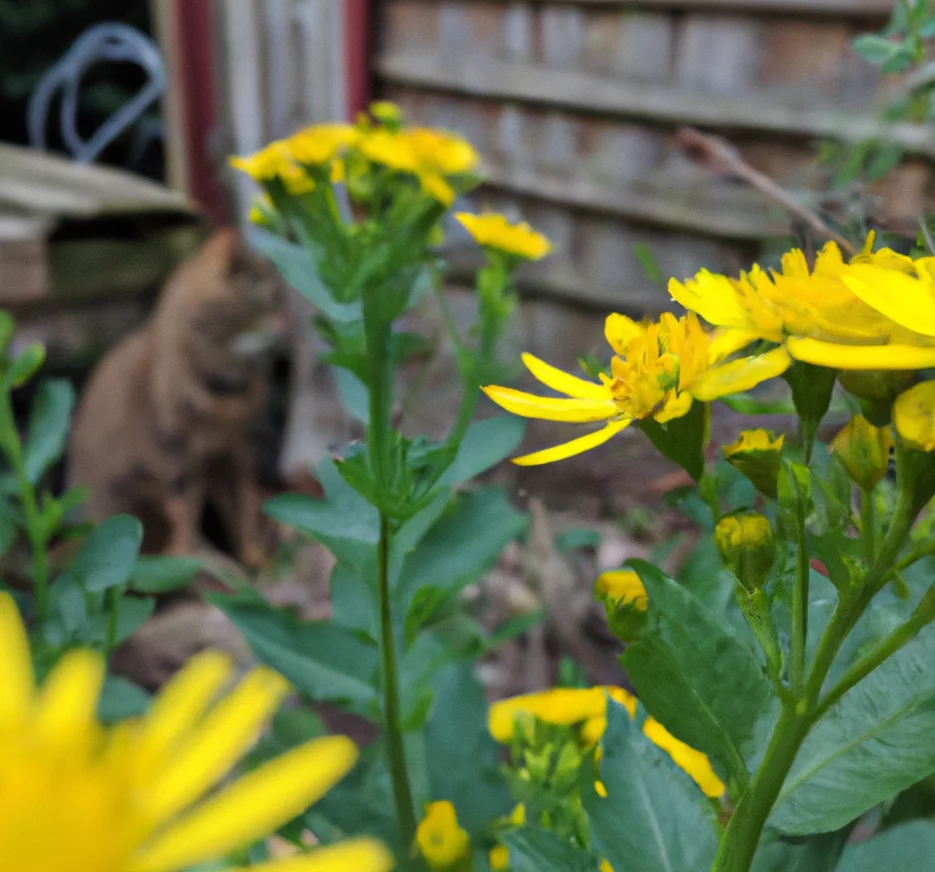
[[357, 54]]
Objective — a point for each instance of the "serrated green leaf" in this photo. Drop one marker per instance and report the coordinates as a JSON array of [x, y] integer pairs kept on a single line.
[[848, 763], [654, 818], [697, 676]]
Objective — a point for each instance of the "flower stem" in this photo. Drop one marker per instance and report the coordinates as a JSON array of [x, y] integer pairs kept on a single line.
[[742, 836], [868, 526], [799, 606], [392, 727]]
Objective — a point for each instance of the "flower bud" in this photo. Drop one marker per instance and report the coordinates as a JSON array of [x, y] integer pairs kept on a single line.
[[914, 420], [864, 450], [621, 587], [876, 389], [440, 838], [747, 546], [758, 456]]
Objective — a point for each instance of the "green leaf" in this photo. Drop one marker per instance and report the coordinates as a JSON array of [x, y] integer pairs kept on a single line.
[[121, 699], [132, 613], [535, 850], [48, 427], [108, 555], [485, 444], [162, 573], [650, 265], [812, 387], [68, 600], [906, 848], [353, 393], [298, 267], [654, 818], [9, 525], [748, 404], [25, 365], [463, 545], [324, 661], [463, 760], [697, 676], [874, 743], [812, 854], [682, 440], [875, 49]]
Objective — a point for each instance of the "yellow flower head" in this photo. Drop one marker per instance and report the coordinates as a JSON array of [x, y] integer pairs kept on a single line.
[[80, 796], [658, 370], [588, 707], [759, 457], [864, 450], [492, 230], [914, 416], [747, 544], [439, 836], [320, 144], [275, 161], [875, 312], [622, 587]]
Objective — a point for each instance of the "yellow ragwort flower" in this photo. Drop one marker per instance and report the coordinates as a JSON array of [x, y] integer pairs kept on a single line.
[[864, 450], [492, 230], [78, 796], [875, 312], [759, 457], [430, 155], [914, 416], [275, 161], [320, 144], [748, 547], [623, 587], [440, 838], [588, 707], [657, 371]]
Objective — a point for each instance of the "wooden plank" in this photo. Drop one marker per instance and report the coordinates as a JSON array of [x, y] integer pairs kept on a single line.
[[852, 8], [741, 214], [163, 14], [499, 80]]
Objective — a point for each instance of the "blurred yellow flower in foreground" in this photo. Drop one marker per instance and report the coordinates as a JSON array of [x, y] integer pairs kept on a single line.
[[78, 796], [658, 369], [492, 230], [622, 586], [275, 161], [875, 312], [588, 707], [321, 143], [439, 836], [914, 416]]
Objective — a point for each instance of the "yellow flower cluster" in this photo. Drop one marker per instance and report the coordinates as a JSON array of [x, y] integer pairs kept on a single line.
[[79, 796], [441, 840], [588, 707], [492, 230], [658, 369]]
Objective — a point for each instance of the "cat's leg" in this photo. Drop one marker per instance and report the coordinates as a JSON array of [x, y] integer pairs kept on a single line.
[[235, 493], [183, 508]]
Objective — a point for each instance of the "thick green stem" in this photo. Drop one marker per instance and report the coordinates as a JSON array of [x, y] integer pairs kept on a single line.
[[392, 726], [740, 840], [799, 639], [868, 527]]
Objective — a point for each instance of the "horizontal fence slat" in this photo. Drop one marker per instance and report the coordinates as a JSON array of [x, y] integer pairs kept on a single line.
[[840, 8], [544, 86], [732, 214]]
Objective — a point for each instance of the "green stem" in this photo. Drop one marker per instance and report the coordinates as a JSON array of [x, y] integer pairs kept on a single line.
[[799, 639], [380, 395], [707, 488], [742, 835], [868, 526], [392, 726]]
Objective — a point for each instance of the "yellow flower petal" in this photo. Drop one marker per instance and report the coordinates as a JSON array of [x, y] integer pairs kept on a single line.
[[685, 757], [575, 446], [494, 231], [67, 704], [620, 331], [551, 408], [558, 705], [836, 356], [354, 855], [251, 807], [713, 297], [724, 343], [622, 586], [564, 382], [441, 840], [905, 299], [181, 704], [17, 682], [739, 375], [218, 743], [676, 406]]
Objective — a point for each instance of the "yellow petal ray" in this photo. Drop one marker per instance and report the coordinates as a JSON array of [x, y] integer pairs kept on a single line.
[[252, 806], [713, 297], [17, 683], [564, 382], [620, 331], [575, 446], [739, 375], [675, 406], [694, 762], [551, 408], [724, 343], [906, 300], [181, 704], [353, 855], [861, 356], [217, 744], [67, 703]]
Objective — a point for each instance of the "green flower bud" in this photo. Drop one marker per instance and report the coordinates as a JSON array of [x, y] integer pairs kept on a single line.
[[864, 450], [747, 546], [876, 389], [758, 455]]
